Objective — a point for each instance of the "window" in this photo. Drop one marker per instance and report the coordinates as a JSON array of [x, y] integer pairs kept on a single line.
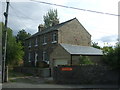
[[36, 42], [36, 58], [29, 57], [44, 40], [45, 58], [29, 44], [54, 38]]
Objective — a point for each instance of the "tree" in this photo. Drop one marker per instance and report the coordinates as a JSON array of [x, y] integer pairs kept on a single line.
[[22, 34], [51, 18], [95, 45], [107, 49], [112, 56], [14, 54]]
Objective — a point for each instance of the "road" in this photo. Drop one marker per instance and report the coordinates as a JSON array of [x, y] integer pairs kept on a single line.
[[27, 85], [35, 82]]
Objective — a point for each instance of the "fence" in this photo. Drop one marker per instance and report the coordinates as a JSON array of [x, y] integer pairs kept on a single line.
[[85, 74]]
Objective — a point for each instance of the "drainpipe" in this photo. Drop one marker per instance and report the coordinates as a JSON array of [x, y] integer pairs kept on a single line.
[[71, 59]]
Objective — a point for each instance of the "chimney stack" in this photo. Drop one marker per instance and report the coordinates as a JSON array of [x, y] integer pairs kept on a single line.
[[40, 27]]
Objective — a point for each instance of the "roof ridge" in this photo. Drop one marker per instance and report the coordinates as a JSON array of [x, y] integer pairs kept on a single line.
[[55, 26], [61, 23]]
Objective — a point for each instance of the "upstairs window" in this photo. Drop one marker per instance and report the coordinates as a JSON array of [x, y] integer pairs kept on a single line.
[[36, 42], [29, 44], [44, 40], [54, 38]]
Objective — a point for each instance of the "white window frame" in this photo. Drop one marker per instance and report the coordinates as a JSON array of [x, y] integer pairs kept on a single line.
[[29, 57], [29, 44], [36, 41], [54, 38], [44, 40], [36, 58], [44, 55]]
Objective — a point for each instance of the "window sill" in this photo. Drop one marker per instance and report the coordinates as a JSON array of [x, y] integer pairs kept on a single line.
[[54, 42], [36, 45], [29, 46], [46, 61], [29, 61], [44, 43]]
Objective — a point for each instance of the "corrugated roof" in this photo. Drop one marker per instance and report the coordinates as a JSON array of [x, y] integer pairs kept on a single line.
[[82, 50], [52, 28]]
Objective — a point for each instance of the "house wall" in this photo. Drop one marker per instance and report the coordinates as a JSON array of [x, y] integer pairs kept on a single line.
[[74, 33], [48, 48], [96, 59], [59, 54]]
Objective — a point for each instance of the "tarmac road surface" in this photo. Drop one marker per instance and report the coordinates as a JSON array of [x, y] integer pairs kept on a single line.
[[30, 85]]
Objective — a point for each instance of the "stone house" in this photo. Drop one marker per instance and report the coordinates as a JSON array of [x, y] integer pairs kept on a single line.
[[39, 47]]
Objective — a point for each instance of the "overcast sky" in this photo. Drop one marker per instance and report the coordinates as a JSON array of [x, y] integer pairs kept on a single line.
[[29, 14]]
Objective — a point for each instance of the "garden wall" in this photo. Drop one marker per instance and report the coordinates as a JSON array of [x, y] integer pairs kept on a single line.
[[85, 74], [41, 72]]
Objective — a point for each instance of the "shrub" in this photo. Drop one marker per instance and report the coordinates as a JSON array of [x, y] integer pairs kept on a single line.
[[85, 60]]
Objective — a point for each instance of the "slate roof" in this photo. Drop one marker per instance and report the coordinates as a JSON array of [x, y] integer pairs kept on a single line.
[[52, 28], [81, 50]]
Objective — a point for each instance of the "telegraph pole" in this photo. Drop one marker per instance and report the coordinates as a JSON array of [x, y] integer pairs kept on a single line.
[[4, 67]]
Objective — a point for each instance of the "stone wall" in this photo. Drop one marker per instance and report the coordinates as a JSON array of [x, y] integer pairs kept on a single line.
[[74, 33], [41, 72], [85, 74], [48, 47]]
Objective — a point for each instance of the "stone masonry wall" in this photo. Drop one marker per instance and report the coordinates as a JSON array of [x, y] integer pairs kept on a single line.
[[86, 74]]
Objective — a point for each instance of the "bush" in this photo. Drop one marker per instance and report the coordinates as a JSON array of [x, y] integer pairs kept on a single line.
[[85, 60], [112, 57]]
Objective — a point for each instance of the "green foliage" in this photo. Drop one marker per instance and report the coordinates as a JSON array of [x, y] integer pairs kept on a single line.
[[85, 60], [95, 45], [107, 49], [14, 54], [112, 56], [50, 18], [22, 35]]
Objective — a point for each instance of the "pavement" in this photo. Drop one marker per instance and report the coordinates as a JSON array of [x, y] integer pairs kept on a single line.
[[36, 82], [26, 85]]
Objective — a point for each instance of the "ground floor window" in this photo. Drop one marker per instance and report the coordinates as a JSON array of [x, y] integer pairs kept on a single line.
[[36, 58], [45, 57]]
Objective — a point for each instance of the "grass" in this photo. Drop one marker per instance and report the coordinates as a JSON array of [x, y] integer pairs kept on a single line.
[[17, 77], [26, 78]]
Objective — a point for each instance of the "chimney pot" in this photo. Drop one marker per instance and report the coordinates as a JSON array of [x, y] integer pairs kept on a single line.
[[40, 27]]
